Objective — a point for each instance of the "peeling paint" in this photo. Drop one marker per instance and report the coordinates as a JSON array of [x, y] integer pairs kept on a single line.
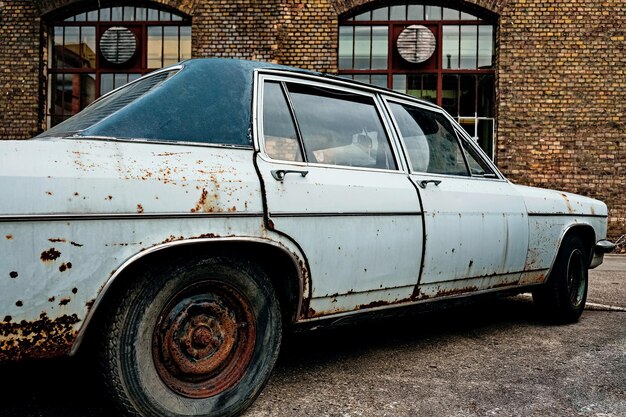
[[56, 240], [9, 237], [41, 338], [13, 274], [65, 266], [50, 255]]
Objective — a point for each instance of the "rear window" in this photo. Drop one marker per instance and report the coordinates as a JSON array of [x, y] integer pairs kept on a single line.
[[107, 105]]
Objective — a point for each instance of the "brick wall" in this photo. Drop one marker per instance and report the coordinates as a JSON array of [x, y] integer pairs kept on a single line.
[[21, 110], [561, 85]]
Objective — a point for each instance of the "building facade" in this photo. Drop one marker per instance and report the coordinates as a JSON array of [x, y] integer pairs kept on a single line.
[[540, 84]]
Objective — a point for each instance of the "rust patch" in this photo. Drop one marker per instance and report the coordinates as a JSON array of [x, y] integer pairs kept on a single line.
[[455, 291], [57, 239], [270, 224], [51, 299], [570, 209], [89, 304], [42, 338], [206, 235], [108, 197], [64, 301], [13, 274], [50, 255], [48, 192], [172, 238], [593, 211], [9, 237], [76, 244], [74, 290], [19, 303], [65, 266], [139, 208]]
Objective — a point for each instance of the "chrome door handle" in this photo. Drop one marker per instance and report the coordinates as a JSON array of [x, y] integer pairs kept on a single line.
[[423, 183], [279, 174]]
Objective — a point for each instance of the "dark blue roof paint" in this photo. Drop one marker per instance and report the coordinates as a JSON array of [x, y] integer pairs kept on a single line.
[[208, 101]]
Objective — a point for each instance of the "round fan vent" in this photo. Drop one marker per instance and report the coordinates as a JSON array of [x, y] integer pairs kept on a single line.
[[118, 45], [416, 44]]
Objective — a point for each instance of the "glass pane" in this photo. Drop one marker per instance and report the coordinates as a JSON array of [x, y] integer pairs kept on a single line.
[[70, 19], [432, 12], [423, 86], [133, 77], [153, 15], [155, 46], [116, 14], [450, 94], [379, 80], [380, 46], [92, 16], [105, 14], [362, 45], [176, 18], [119, 80], [486, 95], [185, 42], [399, 83], [88, 46], [58, 88], [469, 47], [341, 128], [71, 52], [467, 16], [345, 46], [381, 14], [450, 14], [279, 131], [485, 46], [141, 14], [467, 100], [430, 141], [485, 135], [476, 164], [415, 12], [72, 94], [165, 16], [57, 47], [398, 12], [364, 16], [81, 17], [88, 89], [362, 78], [106, 83], [129, 13], [450, 46], [170, 45]]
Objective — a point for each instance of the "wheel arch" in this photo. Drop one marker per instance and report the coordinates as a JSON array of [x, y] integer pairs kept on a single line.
[[586, 232], [287, 271]]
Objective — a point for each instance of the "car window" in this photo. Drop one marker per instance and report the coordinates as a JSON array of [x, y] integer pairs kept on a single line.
[[430, 141], [340, 128], [279, 131], [477, 166]]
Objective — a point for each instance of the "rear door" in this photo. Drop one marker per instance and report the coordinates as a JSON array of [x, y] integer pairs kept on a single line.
[[335, 185], [475, 221]]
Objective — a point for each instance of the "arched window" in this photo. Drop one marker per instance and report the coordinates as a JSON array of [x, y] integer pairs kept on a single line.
[[438, 54], [94, 52]]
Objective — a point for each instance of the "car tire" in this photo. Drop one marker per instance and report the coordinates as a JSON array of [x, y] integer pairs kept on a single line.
[[562, 299], [199, 339]]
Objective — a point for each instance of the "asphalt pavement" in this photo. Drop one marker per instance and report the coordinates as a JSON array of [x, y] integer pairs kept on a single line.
[[493, 358]]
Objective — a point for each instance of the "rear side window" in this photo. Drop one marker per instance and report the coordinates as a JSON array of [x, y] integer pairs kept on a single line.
[[335, 127], [430, 141], [478, 167]]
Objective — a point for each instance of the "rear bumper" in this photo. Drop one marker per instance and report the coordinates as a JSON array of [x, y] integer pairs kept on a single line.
[[601, 247]]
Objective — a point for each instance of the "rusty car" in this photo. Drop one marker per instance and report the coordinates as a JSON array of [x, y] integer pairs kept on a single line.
[[179, 223]]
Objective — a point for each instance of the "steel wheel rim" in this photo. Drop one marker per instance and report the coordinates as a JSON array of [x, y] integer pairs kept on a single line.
[[576, 277], [204, 339]]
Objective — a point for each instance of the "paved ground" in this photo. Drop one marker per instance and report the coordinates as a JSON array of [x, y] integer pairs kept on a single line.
[[491, 359]]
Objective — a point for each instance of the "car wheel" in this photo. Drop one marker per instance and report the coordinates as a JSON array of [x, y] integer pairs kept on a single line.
[[562, 299], [196, 340]]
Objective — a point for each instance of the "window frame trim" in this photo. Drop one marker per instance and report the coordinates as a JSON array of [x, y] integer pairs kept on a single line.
[[285, 76]]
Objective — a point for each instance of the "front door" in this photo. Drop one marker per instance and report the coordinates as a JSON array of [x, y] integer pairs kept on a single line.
[[334, 185], [476, 223]]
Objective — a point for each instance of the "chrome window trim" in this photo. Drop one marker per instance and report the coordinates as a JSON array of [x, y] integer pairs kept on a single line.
[[149, 141], [262, 75]]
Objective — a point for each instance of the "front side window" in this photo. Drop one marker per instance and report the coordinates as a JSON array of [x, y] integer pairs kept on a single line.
[[336, 127], [95, 52], [430, 141]]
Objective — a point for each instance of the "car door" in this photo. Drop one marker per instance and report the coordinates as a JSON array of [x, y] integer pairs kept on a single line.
[[334, 184], [475, 221]]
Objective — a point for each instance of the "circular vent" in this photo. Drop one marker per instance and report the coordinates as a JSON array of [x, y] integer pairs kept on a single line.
[[118, 45], [416, 44]]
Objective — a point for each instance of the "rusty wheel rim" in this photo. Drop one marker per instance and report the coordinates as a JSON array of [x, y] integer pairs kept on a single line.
[[204, 339]]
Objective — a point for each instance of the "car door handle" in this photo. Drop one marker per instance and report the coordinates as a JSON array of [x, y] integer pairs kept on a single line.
[[279, 174], [423, 183]]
